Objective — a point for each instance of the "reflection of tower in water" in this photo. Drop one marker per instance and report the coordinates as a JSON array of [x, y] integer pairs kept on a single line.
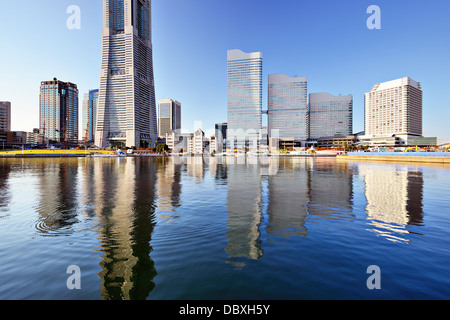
[[126, 193], [330, 187], [394, 197], [58, 205], [5, 195], [288, 196], [168, 188], [244, 213]]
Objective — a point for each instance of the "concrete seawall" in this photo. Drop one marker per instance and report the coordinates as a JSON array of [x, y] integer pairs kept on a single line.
[[420, 157]]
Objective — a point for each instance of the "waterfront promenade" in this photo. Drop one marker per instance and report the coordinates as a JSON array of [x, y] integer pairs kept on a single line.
[[416, 157]]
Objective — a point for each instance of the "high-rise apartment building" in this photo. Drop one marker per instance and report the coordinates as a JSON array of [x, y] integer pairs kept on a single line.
[[288, 107], [89, 116], [127, 108], [169, 117], [244, 96], [394, 108], [58, 111], [5, 116], [330, 115]]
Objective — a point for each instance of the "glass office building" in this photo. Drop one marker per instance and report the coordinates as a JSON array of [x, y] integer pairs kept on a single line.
[[58, 111], [89, 116], [127, 108], [169, 117], [330, 115], [288, 107], [244, 97]]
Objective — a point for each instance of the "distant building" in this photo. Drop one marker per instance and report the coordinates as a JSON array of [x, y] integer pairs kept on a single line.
[[244, 97], [58, 111], [20, 137], [34, 137], [288, 107], [6, 137], [199, 142], [89, 116], [169, 116], [393, 115], [330, 115], [5, 116]]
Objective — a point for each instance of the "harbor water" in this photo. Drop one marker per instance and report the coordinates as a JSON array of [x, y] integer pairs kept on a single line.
[[288, 228]]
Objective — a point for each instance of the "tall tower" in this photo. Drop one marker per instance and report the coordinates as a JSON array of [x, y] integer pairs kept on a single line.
[[127, 108], [244, 97]]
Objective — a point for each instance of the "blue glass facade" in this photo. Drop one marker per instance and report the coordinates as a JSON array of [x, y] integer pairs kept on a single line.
[[244, 93]]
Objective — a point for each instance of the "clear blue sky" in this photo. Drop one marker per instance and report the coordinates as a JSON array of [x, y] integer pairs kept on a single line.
[[327, 41]]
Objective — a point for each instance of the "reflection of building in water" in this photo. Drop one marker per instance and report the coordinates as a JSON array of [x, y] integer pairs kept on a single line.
[[288, 196], [244, 213], [330, 187], [5, 196], [58, 196], [195, 167], [394, 198], [125, 194], [168, 187]]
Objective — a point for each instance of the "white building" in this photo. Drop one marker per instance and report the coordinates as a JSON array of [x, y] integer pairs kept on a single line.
[[199, 142], [393, 114], [394, 107]]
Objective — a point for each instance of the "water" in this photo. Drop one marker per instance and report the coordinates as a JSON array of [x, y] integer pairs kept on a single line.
[[152, 228]]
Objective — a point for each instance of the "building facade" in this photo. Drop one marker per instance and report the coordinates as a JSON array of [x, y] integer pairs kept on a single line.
[[127, 108], [58, 111], [288, 107], [89, 116], [169, 116], [5, 116], [330, 115], [244, 97], [394, 108]]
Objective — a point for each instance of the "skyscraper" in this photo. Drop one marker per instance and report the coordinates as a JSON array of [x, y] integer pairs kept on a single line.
[[89, 116], [244, 96], [127, 108], [58, 111], [5, 116], [288, 106], [330, 115], [394, 108], [169, 116]]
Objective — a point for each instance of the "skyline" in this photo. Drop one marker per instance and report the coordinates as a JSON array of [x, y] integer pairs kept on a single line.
[[325, 41]]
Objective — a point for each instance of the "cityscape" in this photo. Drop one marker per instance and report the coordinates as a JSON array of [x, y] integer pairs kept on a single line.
[[295, 192], [115, 116]]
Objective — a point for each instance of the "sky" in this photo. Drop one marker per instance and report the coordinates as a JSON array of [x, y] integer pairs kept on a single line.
[[326, 41]]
